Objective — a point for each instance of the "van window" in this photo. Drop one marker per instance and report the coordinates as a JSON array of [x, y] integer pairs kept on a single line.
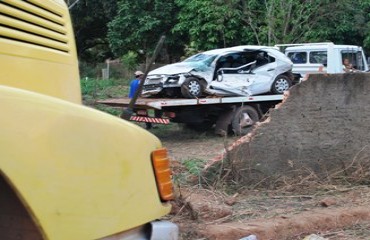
[[318, 57], [355, 58], [298, 57]]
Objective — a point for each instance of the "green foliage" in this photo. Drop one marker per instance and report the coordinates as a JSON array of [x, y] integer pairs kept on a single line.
[[87, 70], [293, 21], [190, 50], [344, 23], [134, 27], [90, 18], [194, 166], [210, 24], [92, 88], [192, 173], [130, 60], [139, 24]]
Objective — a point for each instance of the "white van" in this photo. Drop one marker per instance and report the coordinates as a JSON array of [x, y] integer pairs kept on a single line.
[[308, 57]]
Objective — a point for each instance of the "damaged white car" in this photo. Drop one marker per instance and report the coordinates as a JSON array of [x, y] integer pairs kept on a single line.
[[235, 71]]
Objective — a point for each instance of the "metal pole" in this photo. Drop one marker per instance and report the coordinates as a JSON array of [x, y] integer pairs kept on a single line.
[[73, 4], [108, 62], [126, 113]]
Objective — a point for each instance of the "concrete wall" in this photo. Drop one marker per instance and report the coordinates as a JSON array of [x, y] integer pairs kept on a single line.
[[323, 127]]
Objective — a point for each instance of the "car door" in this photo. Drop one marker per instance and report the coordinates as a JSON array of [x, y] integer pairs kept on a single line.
[[262, 74], [234, 74]]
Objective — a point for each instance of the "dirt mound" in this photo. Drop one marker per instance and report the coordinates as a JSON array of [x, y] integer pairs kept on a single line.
[[285, 227], [321, 131], [205, 214]]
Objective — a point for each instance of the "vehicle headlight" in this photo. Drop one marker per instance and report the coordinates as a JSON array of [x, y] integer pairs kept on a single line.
[[173, 79]]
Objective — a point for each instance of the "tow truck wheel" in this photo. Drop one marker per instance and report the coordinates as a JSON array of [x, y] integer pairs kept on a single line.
[[243, 119], [281, 84], [191, 88]]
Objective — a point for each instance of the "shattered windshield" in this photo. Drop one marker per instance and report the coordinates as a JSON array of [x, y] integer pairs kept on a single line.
[[201, 61]]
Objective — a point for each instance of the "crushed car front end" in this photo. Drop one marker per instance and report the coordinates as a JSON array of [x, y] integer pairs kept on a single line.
[[162, 83], [168, 80]]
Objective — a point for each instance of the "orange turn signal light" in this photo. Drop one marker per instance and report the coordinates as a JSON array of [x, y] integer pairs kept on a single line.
[[161, 165]]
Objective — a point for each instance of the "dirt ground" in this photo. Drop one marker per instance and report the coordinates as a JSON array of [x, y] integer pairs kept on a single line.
[[331, 212]]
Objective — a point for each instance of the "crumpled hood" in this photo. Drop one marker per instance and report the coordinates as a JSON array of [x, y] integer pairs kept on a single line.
[[171, 69]]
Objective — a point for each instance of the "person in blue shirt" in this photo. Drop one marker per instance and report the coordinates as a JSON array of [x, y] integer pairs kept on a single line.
[[134, 84]]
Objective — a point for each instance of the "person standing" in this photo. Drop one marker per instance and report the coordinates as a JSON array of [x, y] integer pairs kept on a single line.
[[134, 84], [134, 87]]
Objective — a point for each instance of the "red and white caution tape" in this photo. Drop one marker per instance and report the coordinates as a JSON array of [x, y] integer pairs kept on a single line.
[[150, 119]]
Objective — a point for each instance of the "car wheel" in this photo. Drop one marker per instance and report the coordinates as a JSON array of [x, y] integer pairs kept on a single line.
[[281, 84], [243, 119], [191, 88]]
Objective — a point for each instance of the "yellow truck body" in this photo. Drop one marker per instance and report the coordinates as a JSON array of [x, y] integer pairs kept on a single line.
[[77, 172]]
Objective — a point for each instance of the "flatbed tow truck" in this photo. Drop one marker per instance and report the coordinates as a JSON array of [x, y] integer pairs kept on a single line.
[[227, 114]]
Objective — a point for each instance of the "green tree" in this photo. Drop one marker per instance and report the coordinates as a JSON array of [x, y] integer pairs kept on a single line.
[[292, 21], [365, 5], [139, 25], [284, 21], [345, 23], [90, 19], [211, 23], [104, 28]]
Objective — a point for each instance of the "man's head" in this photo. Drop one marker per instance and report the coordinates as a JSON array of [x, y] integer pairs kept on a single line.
[[139, 74]]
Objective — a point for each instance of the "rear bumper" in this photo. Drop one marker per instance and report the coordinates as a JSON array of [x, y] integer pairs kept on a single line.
[[156, 230], [162, 230]]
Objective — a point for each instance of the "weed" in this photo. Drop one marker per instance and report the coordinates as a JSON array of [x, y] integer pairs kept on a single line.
[[130, 60], [103, 88], [194, 166], [93, 89], [188, 172]]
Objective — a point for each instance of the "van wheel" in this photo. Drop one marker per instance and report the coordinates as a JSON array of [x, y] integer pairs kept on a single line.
[[243, 119], [281, 84], [191, 88]]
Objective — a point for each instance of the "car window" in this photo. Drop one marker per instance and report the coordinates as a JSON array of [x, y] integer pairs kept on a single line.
[[202, 58], [298, 57], [262, 58], [232, 60], [318, 56], [354, 58], [226, 61]]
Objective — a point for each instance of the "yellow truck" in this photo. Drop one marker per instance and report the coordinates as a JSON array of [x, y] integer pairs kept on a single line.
[[69, 171]]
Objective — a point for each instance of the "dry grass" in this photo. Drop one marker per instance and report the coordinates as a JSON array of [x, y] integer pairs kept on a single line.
[[239, 173]]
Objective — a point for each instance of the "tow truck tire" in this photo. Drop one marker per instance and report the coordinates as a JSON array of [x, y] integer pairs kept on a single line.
[[191, 88], [243, 119], [281, 84]]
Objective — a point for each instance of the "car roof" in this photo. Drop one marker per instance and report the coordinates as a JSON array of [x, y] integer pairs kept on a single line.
[[320, 47], [237, 48]]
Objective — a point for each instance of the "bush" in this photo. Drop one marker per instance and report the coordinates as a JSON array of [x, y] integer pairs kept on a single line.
[[130, 60]]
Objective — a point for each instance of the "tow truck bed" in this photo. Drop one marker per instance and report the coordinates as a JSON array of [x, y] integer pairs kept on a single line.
[[160, 103], [238, 112]]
